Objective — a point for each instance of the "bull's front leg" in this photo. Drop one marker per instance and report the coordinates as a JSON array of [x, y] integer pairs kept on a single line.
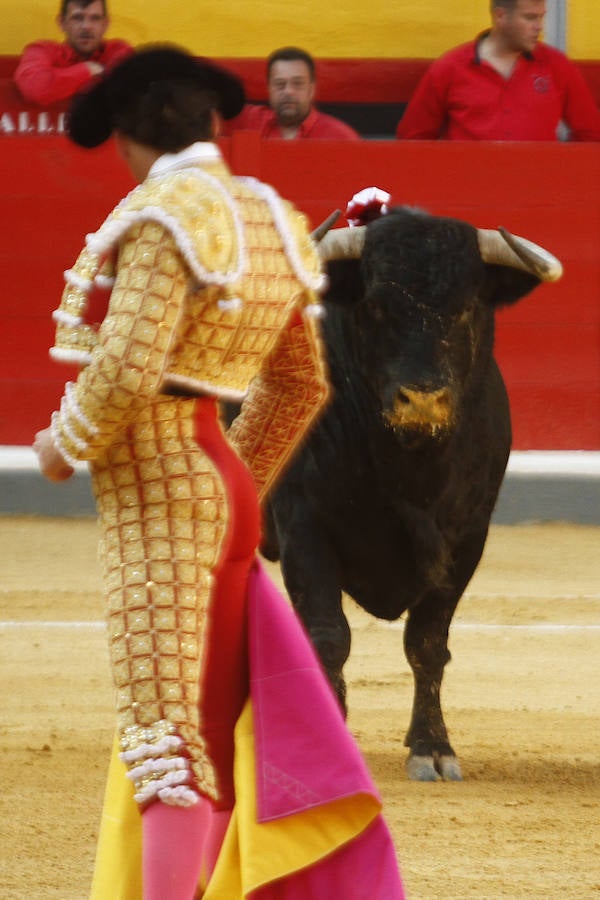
[[331, 640], [311, 576], [426, 646]]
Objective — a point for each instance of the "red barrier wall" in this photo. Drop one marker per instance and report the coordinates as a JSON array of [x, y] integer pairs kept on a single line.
[[548, 345]]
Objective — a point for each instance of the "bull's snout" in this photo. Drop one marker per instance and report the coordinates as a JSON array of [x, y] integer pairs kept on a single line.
[[422, 410]]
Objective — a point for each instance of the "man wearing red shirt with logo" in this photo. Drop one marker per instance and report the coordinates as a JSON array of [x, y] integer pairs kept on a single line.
[[505, 86], [49, 72], [290, 113]]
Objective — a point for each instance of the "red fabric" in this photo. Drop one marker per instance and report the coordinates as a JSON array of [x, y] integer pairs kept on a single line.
[[49, 72], [225, 680], [464, 98], [316, 126]]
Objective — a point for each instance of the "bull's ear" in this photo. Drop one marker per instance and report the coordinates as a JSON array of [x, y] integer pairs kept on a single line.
[[505, 286]]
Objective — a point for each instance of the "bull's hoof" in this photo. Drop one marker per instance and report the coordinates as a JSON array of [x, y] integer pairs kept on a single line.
[[448, 767], [421, 768], [433, 768]]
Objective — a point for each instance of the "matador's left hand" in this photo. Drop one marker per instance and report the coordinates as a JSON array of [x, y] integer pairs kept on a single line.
[[52, 464]]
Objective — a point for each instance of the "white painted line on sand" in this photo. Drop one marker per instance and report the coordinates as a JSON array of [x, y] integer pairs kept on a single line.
[[527, 598], [32, 623], [543, 627], [533, 628]]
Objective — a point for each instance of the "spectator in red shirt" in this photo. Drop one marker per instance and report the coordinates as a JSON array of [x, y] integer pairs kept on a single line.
[[504, 86], [49, 72], [291, 114]]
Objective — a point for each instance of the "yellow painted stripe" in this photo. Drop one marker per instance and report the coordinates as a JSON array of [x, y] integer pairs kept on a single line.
[[412, 28]]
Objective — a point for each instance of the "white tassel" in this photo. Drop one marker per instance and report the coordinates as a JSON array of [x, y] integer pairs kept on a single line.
[[158, 766], [74, 408], [179, 796], [72, 277], [315, 311], [80, 444], [233, 304], [65, 318], [145, 751], [58, 442], [82, 357], [105, 281]]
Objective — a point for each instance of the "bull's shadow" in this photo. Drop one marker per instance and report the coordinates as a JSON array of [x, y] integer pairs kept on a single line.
[[390, 498]]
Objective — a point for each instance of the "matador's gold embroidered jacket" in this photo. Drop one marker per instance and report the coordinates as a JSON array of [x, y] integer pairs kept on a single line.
[[213, 292], [209, 269]]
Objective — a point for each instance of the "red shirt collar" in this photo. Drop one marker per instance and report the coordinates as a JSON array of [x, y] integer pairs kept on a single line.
[[71, 55], [304, 128], [481, 37]]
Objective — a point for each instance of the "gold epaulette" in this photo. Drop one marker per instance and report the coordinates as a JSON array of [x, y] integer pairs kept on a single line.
[[199, 207]]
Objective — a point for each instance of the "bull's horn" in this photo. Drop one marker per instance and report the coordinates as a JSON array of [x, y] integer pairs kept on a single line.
[[505, 249], [343, 243], [321, 230]]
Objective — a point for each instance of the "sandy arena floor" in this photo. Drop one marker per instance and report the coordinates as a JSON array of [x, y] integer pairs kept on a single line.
[[521, 698]]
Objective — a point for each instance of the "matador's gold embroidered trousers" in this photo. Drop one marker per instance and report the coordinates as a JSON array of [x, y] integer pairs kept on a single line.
[[163, 512]]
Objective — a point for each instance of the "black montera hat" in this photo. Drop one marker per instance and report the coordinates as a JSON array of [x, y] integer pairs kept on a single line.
[[90, 121]]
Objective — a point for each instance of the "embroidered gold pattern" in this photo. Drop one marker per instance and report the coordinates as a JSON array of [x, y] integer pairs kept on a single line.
[[161, 502], [164, 514]]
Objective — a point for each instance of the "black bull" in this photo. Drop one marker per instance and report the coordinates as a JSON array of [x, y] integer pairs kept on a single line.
[[390, 498]]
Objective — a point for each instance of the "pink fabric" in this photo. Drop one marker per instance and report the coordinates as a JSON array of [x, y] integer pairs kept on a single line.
[[219, 821], [364, 869], [173, 841], [290, 695]]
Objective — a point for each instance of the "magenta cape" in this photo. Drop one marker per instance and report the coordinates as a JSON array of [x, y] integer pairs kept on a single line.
[[306, 760], [307, 821]]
